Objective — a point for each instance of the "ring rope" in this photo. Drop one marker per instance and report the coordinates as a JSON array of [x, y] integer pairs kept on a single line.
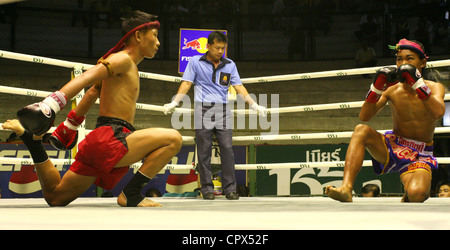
[[305, 108], [286, 137], [258, 166], [150, 107], [43, 94], [82, 66], [333, 73], [185, 138], [312, 136], [288, 77]]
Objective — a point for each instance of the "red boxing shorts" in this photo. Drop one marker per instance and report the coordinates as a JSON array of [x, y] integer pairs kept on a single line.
[[406, 156], [101, 150]]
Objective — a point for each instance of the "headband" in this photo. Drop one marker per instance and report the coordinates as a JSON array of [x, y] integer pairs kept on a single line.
[[406, 44], [121, 43]]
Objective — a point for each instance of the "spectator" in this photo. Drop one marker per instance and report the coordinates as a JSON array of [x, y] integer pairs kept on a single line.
[[441, 36], [80, 14], [368, 29], [365, 56], [422, 33], [401, 28], [297, 42], [370, 190], [444, 189], [102, 9]]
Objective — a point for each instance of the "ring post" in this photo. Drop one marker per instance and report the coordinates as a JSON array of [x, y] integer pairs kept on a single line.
[[251, 174]]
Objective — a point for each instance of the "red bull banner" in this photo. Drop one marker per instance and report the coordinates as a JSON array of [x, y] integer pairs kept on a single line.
[[21, 180], [180, 181], [193, 42]]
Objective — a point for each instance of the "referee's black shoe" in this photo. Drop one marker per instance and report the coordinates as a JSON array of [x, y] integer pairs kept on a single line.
[[209, 196], [232, 196]]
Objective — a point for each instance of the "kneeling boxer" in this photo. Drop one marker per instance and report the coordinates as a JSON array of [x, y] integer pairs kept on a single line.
[[105, 154], [416, 106]]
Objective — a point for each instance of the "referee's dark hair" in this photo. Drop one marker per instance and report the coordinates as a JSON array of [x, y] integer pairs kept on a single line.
[[217, 35]]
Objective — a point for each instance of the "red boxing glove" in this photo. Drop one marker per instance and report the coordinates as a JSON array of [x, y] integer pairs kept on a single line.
[[65, 136], [408, 74], [383, 79]]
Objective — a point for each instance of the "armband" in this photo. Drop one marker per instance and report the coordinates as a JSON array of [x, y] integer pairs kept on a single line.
[[107, 65]]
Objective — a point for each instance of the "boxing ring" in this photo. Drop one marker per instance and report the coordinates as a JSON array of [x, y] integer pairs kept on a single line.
[[247, 212]]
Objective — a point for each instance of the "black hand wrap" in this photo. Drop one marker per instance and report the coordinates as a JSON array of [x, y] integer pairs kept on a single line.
[[133, 189], [35, 147]]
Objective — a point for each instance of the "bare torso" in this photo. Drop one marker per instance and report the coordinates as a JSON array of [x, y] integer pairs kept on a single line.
[[120, 92], [409, 115]]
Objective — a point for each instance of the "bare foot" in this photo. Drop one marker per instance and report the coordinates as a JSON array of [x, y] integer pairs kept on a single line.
[[341, 194], [15, 126], [122, 201]]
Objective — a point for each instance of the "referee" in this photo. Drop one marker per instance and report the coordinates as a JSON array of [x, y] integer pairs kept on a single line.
[[211, 75]]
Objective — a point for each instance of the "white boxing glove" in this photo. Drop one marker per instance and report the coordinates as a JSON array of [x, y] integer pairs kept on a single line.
[[259, 109], [169, 108]]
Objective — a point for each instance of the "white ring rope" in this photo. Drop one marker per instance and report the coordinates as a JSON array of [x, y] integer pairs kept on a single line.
[[333, 73], [82, 66], [312, 136], [286, 137], [303, 76], [43, 94], [150, 107], [185, 138], [289, 77], [258, 166]]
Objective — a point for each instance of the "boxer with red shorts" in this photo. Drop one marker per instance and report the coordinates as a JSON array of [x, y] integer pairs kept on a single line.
[[106, 153], [101, 150]]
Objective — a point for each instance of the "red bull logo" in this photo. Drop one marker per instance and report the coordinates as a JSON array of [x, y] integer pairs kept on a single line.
[[197, 44], [194, 44]]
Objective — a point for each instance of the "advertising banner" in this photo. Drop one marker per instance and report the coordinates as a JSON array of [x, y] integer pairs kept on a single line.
[[180, 181], [193, 42], [21, 181], [312, 181]]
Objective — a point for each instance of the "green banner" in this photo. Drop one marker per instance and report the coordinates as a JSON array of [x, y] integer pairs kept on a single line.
[[311, 181]]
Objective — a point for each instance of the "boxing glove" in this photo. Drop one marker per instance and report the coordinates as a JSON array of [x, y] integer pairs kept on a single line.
[[408, 74], [65, 136], [36, 118], [383, 79]]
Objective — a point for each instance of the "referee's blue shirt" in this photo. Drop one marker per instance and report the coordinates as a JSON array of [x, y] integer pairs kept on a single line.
[[211, 84]]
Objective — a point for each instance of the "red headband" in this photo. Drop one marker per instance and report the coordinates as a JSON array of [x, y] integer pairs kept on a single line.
[[121, 43], [406, 44]]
